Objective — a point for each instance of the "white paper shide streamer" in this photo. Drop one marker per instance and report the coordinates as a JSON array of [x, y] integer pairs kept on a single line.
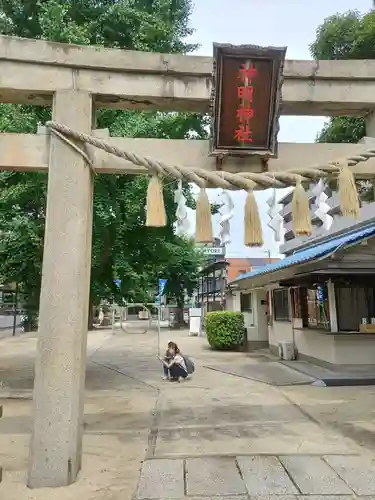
[[276, 222], [226, 211], [322, 208], [182, 223]]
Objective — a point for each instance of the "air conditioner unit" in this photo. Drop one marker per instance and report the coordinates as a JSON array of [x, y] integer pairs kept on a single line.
[[287, 351]]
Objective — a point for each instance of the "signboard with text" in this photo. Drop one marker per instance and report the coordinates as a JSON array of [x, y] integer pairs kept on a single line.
[[247, 84], [213, 251]]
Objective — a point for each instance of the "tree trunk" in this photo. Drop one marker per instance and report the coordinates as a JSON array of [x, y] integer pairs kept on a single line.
[[91, 316], [179, 319], [90, 319], [29, 321], [30, 310]]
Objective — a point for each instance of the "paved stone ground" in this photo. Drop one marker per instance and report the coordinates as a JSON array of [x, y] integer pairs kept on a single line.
[[214, 436], [257, 476]]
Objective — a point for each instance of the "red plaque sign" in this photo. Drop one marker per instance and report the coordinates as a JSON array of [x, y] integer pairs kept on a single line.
[[247, 82]]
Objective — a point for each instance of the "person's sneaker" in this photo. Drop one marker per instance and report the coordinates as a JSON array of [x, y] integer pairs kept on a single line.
[[165, 378]]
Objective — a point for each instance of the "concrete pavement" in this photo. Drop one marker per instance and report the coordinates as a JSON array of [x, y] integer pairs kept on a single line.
[[215, 436]]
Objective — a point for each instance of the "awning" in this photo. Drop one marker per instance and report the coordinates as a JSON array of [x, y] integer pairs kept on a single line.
[[314, 253]]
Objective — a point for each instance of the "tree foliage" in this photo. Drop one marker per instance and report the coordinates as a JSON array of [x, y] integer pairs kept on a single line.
[[157, 25], [122, 246], [345, 36]]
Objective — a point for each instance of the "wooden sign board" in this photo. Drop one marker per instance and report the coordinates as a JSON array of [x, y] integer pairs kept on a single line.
[[246, 99]]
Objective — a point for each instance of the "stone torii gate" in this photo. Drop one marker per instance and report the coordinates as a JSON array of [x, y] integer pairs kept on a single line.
[[76, 80]]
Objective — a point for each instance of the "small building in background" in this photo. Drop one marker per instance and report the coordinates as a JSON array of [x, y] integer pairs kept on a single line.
[[318, 303], [213, 293], [210, 294], [238, 266]]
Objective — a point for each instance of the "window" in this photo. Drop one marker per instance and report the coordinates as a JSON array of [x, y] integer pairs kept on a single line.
[[354, 305], [246, 305], [209, 285], [281, 304]]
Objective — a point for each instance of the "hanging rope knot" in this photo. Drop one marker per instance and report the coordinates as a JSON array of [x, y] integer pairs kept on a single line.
[[349, 202], [155, 209], [253, 235], [301, 210], [203, 218]]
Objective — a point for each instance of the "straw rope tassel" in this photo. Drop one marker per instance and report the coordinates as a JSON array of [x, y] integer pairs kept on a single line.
[[253, 236], [203, 224], [301, 211], [349, 202], [155, 210]]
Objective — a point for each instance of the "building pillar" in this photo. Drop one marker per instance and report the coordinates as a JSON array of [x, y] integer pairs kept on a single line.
[[56, 444], [258, 332], [236, 301], [207, 296], [332, 306], [222, 289]]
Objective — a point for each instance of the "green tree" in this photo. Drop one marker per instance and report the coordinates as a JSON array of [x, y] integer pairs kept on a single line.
[[345, 36], [182, 272], [157, 25], [122, 246]]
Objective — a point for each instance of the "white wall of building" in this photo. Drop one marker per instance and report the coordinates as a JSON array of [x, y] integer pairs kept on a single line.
[[311, 343]]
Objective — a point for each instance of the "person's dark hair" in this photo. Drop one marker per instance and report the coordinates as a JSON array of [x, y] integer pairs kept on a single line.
[[174, 346]]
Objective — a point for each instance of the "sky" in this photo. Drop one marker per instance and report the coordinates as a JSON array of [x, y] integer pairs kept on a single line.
[[281, 23]]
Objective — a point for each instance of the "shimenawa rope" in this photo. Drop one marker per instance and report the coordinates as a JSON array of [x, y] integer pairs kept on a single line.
[[226, 180]]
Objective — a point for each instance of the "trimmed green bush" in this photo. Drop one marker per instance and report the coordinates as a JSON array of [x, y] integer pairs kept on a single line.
[[225, 329]]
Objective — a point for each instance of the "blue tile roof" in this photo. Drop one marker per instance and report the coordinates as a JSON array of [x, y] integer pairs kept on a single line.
[[315, 252]]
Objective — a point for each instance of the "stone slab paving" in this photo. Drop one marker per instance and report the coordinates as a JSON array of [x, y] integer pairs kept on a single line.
[[162, 479], [357, 471], [264, 475], [314, 476], [213, 476], [273, 438], [258, 477], [278, 497], [275, 497]]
